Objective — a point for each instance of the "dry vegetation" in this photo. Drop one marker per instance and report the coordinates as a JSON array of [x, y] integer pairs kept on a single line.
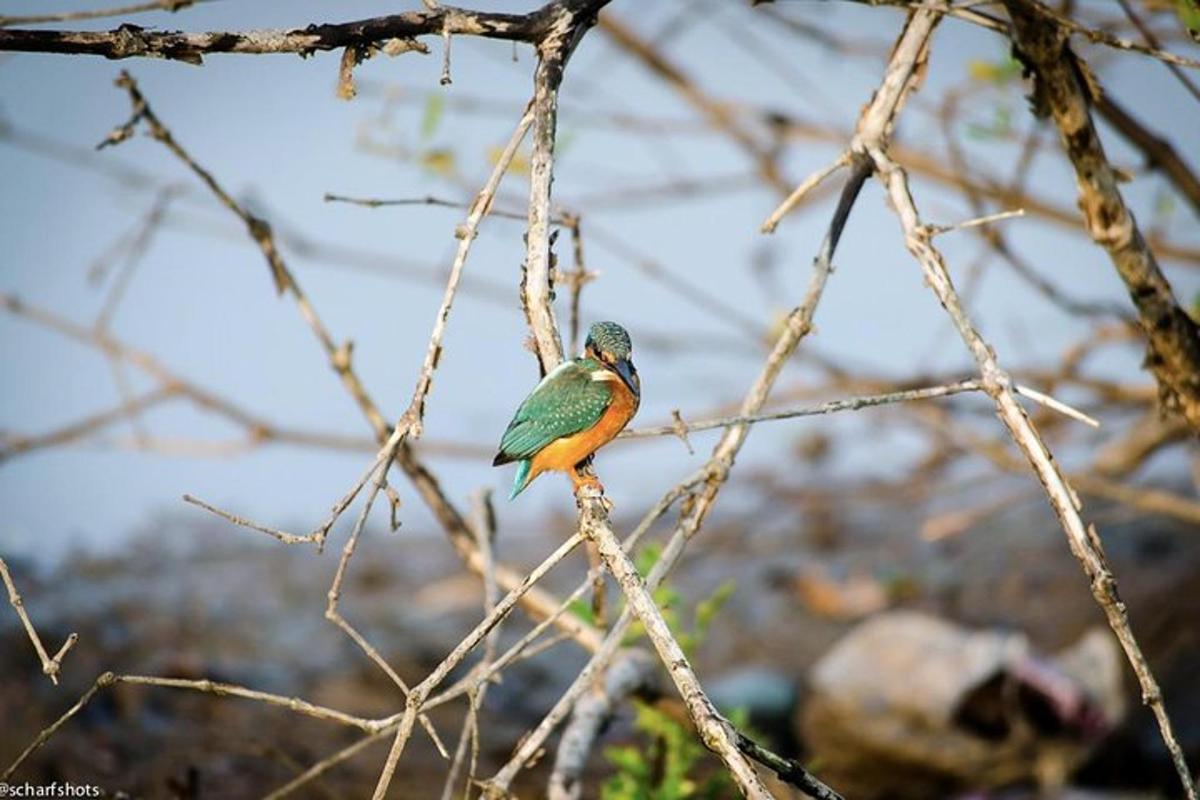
[[1155, 412]]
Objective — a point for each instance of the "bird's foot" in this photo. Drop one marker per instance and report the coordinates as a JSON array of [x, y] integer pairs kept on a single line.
[[588, 487]]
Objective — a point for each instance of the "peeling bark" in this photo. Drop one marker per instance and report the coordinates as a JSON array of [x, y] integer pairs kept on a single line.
[[1063, 89]]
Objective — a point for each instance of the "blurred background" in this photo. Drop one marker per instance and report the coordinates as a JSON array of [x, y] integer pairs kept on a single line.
[[683, 123]]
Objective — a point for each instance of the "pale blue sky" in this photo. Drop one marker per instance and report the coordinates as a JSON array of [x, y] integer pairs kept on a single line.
[[271, 129]]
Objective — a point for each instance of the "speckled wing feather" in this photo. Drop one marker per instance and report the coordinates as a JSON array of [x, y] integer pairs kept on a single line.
[[567, 401]]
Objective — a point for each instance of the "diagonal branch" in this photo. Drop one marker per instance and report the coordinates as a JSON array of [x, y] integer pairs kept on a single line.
[[50, 664], [717, 733], [1083, 540], [1063, 88]]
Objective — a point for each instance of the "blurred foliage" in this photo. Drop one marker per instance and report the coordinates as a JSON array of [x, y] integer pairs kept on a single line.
[[1000, 72], [999, 127], [435, 107], [669, 601], [664, 770], [439, 161], [519, 165], [1189, 14]]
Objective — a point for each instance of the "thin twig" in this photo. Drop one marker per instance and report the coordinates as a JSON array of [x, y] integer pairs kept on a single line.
[[985, 219], [1083, 540], [51, 665], [118, 11], [204, 686], [800, 192], [829, 407], [420, 692], [286, 538]]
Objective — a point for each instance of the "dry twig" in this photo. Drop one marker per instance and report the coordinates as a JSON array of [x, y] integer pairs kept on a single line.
[[50, 664], [1173, 338]]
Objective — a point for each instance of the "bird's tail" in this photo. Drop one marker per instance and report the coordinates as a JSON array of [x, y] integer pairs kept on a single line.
[[522, 478]]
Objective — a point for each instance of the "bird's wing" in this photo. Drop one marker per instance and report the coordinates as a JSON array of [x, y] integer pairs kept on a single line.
[[566, 402]]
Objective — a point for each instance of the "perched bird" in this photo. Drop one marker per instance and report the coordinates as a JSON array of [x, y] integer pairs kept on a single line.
[[577, 409]]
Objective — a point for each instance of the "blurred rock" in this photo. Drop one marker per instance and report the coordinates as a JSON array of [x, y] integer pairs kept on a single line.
[[768, 698], [908, 705]]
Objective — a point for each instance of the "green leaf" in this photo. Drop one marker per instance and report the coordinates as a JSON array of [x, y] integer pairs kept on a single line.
[[439, 161], [1189, 14], [583, 610], [435, 106], [997, 72], [667, 767], [646, 558], [707, 609]]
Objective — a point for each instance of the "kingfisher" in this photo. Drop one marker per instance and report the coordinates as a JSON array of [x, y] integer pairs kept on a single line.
[[579, 407]]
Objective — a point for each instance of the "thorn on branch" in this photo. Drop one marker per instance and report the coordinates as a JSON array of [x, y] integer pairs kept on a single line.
[[394, 506], [681, 430], [445, 79], [352, 56], [987, 219], [402, 44]]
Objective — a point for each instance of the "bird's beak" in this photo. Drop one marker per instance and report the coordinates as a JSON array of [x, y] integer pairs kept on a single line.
[[624, 367]]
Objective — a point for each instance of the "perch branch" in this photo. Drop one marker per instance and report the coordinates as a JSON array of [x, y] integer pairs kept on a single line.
[[715, 731]]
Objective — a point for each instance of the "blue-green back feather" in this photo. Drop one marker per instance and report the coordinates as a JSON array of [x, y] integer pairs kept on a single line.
[[521, 479], [566, 402]]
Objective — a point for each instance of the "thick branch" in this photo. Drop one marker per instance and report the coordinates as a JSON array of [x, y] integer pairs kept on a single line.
[[1173, 338], [537, 282], [131, 41], [715, 731], [1083, 540]]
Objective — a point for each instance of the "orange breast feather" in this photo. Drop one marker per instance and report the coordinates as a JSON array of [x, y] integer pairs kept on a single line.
[[563, 454]]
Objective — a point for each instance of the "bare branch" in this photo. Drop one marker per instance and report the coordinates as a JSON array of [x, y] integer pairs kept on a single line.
[[286, 538], [129, 41], [1083, 540], [832, 406], [50, 664], [715, 731], [206, 687], [631, 672], [119, 11], [800, 192], [420, 692], [1173, 338]]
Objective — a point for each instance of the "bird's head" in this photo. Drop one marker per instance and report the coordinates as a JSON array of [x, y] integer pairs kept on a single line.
[[609, 343]]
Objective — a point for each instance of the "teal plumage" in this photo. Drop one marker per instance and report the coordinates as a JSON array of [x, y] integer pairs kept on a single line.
[[578, 408], [566, 402]]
